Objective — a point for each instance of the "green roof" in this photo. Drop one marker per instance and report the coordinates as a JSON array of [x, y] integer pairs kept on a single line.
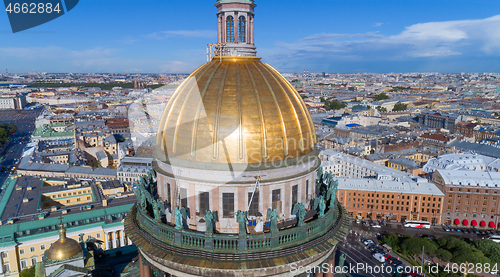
[[7, 231], [46, 131], [7, 188]]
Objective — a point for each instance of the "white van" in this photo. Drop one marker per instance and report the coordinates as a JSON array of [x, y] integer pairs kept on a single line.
[[379, 257]]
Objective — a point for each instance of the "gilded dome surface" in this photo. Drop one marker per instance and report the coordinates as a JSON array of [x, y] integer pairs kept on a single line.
[[64, 248], [235, 110]]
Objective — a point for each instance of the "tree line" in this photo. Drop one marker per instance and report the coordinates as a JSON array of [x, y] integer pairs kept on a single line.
[[6, 129]]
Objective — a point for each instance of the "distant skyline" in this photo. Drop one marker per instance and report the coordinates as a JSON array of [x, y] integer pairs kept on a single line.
[[158, 36]]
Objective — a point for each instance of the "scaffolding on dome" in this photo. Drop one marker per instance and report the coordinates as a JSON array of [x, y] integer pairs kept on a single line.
[[214, 50]]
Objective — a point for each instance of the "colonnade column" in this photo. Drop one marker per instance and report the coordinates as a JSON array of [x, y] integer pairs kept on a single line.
[[236, 31], [1, 263], [253, 30], [144, 268], [123, 239], [113, 239], [106, 241], [331, 265]]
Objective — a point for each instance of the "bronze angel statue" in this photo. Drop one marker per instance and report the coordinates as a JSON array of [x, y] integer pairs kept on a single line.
[[272, 216], [299, 209], [210, 219], [241, 217], [179, 215], [319, 202]]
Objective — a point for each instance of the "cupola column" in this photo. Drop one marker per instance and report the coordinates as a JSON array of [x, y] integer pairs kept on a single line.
[[236, 28]]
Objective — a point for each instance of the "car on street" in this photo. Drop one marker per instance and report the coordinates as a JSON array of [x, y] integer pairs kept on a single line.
[[367, 242], [377, 226], [396, 263], [379, 257]]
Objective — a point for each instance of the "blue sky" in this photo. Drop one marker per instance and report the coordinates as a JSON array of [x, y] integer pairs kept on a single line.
[[165, 36]]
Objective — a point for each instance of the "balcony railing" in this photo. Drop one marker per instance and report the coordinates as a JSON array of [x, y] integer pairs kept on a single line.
[[313, 232]]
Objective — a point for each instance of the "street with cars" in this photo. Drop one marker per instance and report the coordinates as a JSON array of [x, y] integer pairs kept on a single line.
[[11, 152]]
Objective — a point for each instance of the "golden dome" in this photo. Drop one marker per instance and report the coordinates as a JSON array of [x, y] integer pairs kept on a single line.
[[64, 248], [235, 110]]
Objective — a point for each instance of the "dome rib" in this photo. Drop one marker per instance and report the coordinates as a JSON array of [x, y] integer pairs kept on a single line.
[[266, 66], [216, 126], [283, 127], [261, 114], [198, 110], [301, 103], [240, 113], [160, 140], [178, 123]]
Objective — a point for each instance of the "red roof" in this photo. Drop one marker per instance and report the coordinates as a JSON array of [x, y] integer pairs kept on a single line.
[[491, 224], [117, 122], [473, 223], [465, 222], [482, 223], [456, 221], [439, 137]]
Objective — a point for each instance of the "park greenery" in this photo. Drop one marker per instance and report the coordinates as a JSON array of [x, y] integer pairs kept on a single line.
[[334, 105], [6, 129], [380, 96], [399, 107], [28, 272], [447, 249], [398, 88], [381, 109], [323, 99]]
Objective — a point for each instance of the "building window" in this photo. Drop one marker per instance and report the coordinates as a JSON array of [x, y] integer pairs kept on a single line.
[[204, 203], [307, 189], [168, 193], [230, 29], [32, 249], [4, 255], [228, 204], [276, 198], [98, 235], [23, 264], [33, 261], [254, 203], [295, 191], [6, 267], [242, 29], [21, 251], [184, 200]]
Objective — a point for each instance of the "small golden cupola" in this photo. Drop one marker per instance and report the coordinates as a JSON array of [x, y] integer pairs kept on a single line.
[[64, 248]]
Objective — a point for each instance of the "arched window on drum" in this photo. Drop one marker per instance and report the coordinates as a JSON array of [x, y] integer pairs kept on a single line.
[[230, 29], [242, 29]]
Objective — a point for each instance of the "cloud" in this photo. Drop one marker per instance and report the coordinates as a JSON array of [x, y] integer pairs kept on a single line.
[[183, 33], [430, 40], [377, 24]]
